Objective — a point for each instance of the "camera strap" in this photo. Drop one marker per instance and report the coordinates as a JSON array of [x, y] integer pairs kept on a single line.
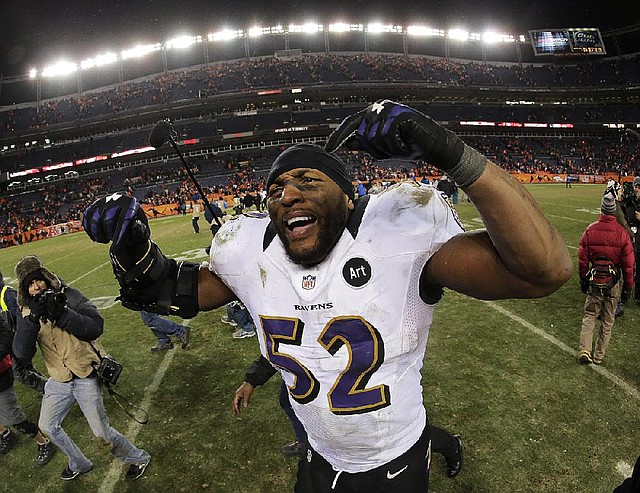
[[122, 400]]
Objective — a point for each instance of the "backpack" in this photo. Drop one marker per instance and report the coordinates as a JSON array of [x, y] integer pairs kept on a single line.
[[603, 275]]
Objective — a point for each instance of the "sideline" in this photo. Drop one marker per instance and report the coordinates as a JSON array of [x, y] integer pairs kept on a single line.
[[616, 380], [116, 470]]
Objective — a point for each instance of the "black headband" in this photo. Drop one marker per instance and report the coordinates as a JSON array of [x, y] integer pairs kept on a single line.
[[312, 156]]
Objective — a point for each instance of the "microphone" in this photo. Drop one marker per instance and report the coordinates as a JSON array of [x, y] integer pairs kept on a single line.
[[163, 132], [632, 134], [160, 134]]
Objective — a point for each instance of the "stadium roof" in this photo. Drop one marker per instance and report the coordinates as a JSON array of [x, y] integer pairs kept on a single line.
[[35, 30]]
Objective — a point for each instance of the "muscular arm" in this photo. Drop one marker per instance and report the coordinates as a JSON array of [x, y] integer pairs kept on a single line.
[[520, 255], [212, 292]]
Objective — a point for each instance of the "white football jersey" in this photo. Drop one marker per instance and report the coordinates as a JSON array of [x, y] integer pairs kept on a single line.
[[349, 334]]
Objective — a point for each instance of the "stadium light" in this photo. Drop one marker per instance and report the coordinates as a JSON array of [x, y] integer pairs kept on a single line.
[[376, 27], [341, 27], [60, 68], [458, 34], [424, 31], [254, 32], [99, 61], [182, 42], [225, 35], [309, 27], [140, 51], [33, 73]]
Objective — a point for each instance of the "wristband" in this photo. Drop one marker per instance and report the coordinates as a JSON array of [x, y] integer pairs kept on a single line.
[[469, 168]]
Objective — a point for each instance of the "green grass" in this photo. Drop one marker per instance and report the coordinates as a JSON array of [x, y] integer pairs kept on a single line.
[[532, 419]]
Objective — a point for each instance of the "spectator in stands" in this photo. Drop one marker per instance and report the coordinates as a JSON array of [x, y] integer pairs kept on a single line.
[[66, 327], [604, 254], [163, 329]]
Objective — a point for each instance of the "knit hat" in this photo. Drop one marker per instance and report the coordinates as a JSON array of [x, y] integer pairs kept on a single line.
[[608, 205], [28, 269], [312, 156]]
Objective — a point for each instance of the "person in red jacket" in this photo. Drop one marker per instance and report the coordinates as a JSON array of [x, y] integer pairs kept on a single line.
[[605, 253]]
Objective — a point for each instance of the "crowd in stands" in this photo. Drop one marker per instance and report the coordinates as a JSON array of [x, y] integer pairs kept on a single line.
[[245, 75], [236, 175]]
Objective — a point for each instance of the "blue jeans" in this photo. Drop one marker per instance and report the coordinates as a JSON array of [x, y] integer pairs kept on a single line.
[[161, 327], [59, 398], [240, 315]]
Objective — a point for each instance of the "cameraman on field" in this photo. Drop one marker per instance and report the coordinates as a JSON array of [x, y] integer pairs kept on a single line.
[[631, 206], [66, 326]]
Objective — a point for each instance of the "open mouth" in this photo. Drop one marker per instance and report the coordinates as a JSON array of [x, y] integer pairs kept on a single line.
[[300, 222], [300, 226]]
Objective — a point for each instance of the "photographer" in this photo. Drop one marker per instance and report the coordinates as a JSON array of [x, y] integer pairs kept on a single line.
[[66, 326]]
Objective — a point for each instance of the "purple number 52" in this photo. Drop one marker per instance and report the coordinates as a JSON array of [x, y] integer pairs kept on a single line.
[[349, 393]]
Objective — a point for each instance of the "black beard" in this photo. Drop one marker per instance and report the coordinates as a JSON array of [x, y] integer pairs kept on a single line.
[[330, 232]]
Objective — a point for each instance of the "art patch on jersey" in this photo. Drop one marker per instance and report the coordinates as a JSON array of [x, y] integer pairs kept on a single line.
[[308, 282], [356, 272]]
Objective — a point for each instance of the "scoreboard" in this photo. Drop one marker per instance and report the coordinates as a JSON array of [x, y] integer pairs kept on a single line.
[[568, 41]]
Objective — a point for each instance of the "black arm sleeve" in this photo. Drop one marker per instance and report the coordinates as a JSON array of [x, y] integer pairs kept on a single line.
[[259, 372]]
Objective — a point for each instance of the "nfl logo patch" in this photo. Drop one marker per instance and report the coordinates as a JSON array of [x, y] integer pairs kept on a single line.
[[308, 282]]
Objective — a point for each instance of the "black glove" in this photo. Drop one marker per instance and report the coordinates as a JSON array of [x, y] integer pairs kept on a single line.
[[56, 306], [148, 279], [388, 129], [584, 285], [25, 372], [626, 291], [38, 306]]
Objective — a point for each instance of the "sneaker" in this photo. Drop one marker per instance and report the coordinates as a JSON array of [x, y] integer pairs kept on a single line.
[[294, 448], [228, 321], [68, 474], [585, 358], [162, 346], [45, 453], [454, 464], [241, 334], [597, 361], [8, 440], [184, 337], [137, 470]]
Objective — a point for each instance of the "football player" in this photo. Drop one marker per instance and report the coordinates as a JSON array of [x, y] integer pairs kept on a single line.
[[343, 290]]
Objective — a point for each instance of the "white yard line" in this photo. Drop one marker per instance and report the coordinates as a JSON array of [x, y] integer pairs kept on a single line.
[[116, 470], [616, 380]]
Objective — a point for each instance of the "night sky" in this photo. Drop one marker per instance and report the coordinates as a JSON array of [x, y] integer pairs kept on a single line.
[[35, 30]]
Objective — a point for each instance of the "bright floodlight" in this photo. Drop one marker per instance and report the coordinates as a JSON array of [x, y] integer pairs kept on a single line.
[[33, 73], [255, 32], [377, 27], [225, 35], [140, 50], [98, 61], [183, 41], [459, 34], [310, 27], [424, 31], [60, 68], [341, 27]]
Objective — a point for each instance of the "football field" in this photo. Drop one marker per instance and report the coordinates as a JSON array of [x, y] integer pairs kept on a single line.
[[504, 375]]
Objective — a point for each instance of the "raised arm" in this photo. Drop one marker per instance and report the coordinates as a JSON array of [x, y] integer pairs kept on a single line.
[[519, 255], [148, 279]]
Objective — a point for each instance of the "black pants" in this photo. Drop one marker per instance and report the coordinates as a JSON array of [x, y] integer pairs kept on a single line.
[[408, 473]]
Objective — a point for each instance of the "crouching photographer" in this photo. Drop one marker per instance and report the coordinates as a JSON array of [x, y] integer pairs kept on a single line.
[[65, 325]]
